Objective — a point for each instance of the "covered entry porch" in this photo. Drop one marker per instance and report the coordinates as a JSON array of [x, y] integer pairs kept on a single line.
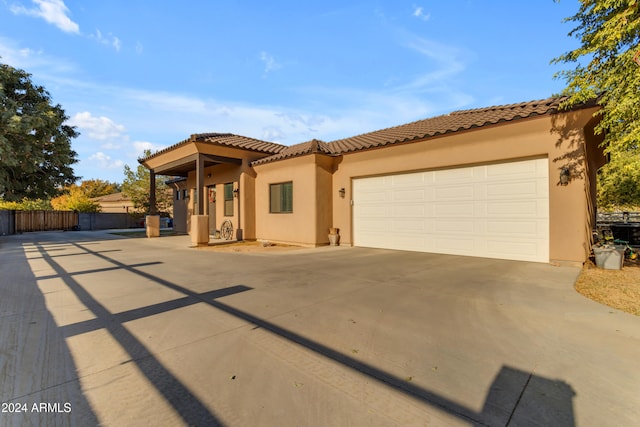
[[218, 183]]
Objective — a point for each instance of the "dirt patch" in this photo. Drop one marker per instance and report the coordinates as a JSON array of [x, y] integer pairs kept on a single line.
[[247, 246], [619, 289]]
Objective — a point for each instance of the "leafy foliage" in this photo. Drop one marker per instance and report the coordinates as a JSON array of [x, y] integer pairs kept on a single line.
[[35, 144], [26, 205], [75, 199], [98, 187], [137, 186], [618, 183], [606, 69], [78, 197]]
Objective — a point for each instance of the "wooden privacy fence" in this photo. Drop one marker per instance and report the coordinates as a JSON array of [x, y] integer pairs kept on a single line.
[[45, 220]]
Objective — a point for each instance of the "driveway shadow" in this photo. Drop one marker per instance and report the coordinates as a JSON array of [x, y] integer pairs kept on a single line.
[[36, 366], [514, 398]]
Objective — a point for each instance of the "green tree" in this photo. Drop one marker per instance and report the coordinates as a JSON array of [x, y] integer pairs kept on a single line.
[[618, 183], [607, 68], [75, 199], [98, 187], [35, 144], [137, 186]]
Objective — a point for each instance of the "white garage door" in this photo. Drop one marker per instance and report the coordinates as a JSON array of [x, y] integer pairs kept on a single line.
[[494, 211]]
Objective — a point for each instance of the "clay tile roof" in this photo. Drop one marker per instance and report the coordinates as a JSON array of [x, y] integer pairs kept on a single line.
[[453, 122], [309, 147], [237, 141], [227, 140]]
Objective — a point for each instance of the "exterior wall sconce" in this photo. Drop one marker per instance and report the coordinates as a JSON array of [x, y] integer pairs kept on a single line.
[[342, 192], [565, 174], [235, 192]]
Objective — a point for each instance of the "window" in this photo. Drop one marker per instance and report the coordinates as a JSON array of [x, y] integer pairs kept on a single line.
[[228, 199], [281, 197]]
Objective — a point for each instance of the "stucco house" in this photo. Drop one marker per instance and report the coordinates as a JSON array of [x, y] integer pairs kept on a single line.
[[114, 203], [512, 182]]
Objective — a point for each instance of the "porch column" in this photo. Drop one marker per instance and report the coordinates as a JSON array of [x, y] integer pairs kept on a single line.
[[152, 192], [200, 221], [152, 221], [200, 184]]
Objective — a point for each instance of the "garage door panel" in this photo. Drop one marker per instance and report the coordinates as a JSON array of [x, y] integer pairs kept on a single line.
[[408, 242], [516, 229], [511, 190], [372, 225], [518, 209], [454, 192], [499, 211], [449, 226], [459, 210], [454, 245], [373, 196], [373, 183], [409, 195], [409, 226], [376, 211], [409, 211], [410, 179], [448, 176], [512, 170]]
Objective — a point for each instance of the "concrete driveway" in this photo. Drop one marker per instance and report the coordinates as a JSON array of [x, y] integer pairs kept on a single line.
[[97, 329]]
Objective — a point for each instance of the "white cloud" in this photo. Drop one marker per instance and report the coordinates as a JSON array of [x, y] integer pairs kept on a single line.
[[419, 13], [36, 61], [100, 128], [110, 146], [269, 61], [447, 62], [105, 161], [53, 11], [272, 133], [139, 48], [108, 40], [141, 146]]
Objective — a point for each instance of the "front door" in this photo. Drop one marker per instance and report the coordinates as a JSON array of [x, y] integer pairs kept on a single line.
[[211, 196]]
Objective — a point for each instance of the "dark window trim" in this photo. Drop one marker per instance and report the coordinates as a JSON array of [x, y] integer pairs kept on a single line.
[[228, 197], [282, 208]]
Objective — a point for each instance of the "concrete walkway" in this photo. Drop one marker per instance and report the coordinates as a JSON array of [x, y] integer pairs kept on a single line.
[[100, 329]]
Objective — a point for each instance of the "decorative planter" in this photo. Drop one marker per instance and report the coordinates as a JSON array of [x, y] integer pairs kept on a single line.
[[334, 237]]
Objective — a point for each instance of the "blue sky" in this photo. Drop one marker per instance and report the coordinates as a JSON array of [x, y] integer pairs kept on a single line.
[[146, 74]]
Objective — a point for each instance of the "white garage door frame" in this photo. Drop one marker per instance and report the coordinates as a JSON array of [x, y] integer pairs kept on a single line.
[[496, 210]]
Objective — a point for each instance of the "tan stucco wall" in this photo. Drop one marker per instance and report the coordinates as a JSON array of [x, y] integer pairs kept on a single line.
[[179, 207], [311, 217], [317, 179], [532, 138], [119, 206], [324, 202], [169, 156], [242, 178]]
